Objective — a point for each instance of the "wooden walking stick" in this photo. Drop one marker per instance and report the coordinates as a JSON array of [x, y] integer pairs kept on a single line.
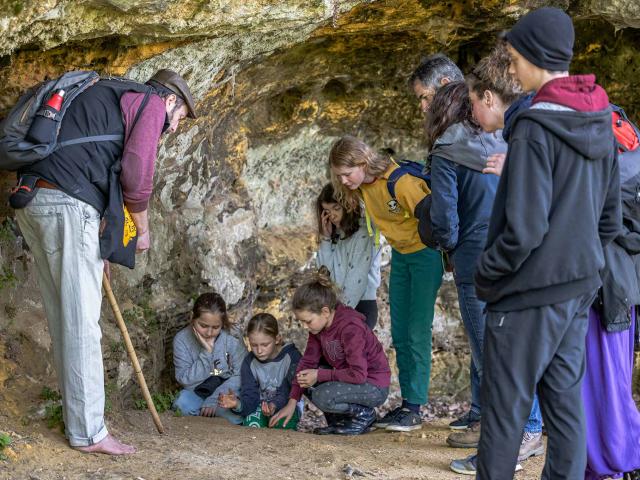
[[132, 353]]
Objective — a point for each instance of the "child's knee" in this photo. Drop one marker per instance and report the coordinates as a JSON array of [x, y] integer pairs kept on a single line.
[[323, 398], [186, 404]]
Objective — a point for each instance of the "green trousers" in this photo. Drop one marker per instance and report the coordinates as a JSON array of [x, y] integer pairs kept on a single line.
[[413, 286], [259, 420]]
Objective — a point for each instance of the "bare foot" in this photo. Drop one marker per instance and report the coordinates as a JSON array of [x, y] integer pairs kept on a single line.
[[109, 445]]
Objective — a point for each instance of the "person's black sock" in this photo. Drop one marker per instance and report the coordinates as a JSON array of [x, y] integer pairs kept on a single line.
[[414, 407]]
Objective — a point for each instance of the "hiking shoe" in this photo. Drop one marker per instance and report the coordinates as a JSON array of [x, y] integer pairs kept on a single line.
[[467, 466], [405, 421], [388, 418], [359, 420], [334, 420], [464, 421], [465, 439], [531, 446]]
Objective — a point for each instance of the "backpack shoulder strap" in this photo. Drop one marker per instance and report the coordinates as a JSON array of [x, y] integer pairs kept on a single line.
[[106, 138], [394, 177], [145, 100]]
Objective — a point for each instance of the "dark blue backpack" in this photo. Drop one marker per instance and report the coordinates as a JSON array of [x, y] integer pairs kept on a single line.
[[415, 169], [423, 209], [17, 151]]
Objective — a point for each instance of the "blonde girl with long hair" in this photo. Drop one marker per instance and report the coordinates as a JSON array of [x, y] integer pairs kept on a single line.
[[359, 173]]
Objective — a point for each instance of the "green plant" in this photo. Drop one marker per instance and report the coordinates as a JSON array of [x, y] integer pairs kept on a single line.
[[53, 408], [48, 394], [6, 233], [116, 347], [132, 315], [109, 390], [141, 314], [162, 401], [5, 441], [7, 278], [53, 416]]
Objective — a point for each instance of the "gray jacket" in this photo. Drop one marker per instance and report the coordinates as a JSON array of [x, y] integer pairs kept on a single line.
[[193, 364], [354, 264]]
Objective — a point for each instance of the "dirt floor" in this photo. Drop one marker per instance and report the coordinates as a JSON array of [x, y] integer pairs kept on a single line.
[[203, 448]]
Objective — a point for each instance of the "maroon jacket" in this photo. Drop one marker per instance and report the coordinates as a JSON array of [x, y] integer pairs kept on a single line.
[[351, 348], [140, 148]]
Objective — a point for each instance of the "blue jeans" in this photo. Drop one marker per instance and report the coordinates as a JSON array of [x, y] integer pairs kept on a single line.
[[190, 404], [534, 423], [473, 318]]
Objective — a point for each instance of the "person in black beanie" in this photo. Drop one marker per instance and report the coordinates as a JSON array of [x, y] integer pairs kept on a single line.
[[556, 207]]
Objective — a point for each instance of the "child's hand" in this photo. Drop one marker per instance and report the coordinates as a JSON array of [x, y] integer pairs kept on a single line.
[[228, 400], [268, 408], [307, 378], [206, 345], [207, 411], [495, 163], [326, 224], [286, 413]]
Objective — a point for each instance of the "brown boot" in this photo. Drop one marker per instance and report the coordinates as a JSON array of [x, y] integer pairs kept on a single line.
[[531, 446], [467, 439]]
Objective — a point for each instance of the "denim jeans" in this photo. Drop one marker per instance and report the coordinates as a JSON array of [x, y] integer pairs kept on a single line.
[[534, 423], [62, 233], [473, 318], [190, 404]]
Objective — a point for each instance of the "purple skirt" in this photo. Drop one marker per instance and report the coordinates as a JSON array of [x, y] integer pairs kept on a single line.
[[612, 417]]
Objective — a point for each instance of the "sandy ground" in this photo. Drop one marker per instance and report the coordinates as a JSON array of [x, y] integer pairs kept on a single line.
[[203, 448]]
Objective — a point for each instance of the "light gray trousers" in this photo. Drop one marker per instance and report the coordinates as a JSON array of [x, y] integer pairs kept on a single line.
[[62, 233]]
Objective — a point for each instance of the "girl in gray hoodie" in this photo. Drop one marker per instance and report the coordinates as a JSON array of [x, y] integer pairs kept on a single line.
[[349, 253], [207, 360]]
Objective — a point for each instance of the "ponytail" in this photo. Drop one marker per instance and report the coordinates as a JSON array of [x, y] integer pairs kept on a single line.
[[317, 292]]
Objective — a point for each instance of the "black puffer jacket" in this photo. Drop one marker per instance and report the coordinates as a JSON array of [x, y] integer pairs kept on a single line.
[[621, 274]]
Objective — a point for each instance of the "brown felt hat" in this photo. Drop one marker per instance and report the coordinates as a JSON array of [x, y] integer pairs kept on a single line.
[[177, 85]]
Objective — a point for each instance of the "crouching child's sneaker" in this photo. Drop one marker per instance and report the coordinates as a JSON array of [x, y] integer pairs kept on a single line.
[[359, 420], [468, 466], [531, 446], [405, 421]]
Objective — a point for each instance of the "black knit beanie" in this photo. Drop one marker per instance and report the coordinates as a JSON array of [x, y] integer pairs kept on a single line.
[[544, 37]]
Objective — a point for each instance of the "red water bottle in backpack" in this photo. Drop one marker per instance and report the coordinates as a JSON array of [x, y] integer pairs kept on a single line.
[[55, 101], [44, 125]]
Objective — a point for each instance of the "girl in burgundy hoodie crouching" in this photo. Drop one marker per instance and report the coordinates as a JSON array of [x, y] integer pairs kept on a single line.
[[358, 376]]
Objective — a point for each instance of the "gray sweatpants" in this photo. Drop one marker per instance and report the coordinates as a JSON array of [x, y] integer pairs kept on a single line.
[[543, 346], [62, 233], [335, 397]]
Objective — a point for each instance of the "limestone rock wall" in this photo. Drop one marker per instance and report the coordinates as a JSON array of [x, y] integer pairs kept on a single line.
[[276, 82]]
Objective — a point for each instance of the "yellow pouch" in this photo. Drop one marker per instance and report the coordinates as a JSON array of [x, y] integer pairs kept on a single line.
[[130, 231]]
